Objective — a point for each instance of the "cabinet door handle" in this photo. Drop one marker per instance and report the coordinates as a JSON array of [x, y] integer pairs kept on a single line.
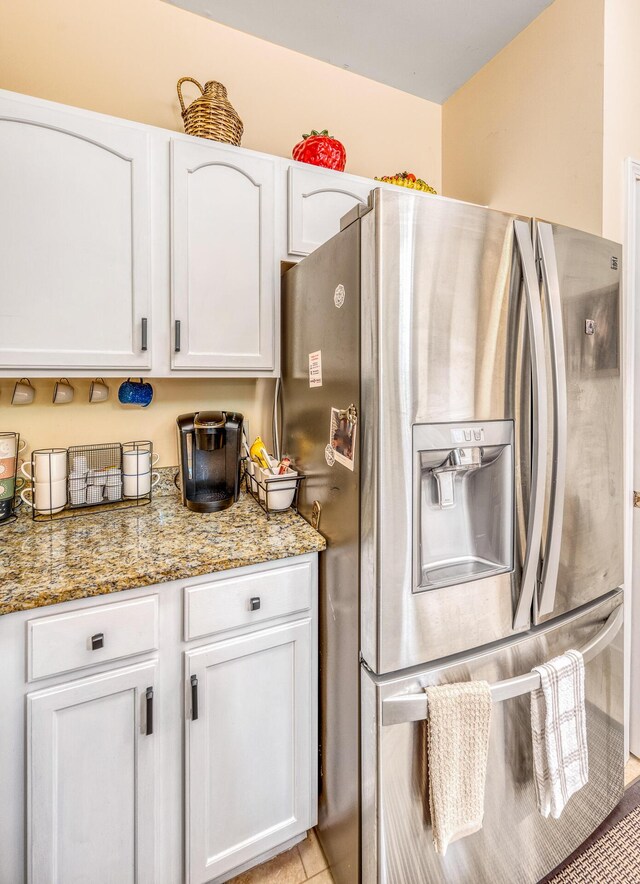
[[149, 711], [254, 603], [194, 697], [177, 336], [144, 333], [97, 641]]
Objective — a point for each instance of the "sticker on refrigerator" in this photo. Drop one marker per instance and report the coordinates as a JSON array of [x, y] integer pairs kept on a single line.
[[329, 455], [342, 434], [315, 369], [339, 295]]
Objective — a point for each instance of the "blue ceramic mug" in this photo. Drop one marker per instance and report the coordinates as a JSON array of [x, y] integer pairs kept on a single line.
[[135, 393]]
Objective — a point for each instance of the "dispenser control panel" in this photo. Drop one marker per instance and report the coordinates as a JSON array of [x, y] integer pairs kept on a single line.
[[460, 435]]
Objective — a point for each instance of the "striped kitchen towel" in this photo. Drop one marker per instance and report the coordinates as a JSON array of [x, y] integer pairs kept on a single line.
[[559, 732]]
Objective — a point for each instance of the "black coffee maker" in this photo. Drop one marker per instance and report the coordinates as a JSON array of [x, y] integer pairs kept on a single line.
[[210, 446]]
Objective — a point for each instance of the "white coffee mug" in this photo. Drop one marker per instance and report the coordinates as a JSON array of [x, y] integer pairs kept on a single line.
[[23, 392], [138, 462], [99, 391], [8, 446], [46, 497], [95, 493], [139, 485], [50, 465], [62, 392]]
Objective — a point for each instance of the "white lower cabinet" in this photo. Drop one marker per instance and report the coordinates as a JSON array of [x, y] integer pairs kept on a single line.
[[248, 747], [189, 761], [91, 778]]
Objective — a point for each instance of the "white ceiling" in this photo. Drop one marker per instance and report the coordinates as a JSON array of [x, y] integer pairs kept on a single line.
[[426, 47]]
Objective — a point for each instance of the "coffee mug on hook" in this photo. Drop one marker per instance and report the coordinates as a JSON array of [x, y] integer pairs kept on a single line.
[[135, 393]]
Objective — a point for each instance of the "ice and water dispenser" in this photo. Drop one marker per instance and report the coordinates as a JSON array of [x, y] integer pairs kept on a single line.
[[463, 502]]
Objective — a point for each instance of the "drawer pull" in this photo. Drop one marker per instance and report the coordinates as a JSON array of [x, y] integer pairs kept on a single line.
[[97, 641], [194, 697], [149, 711], [254, 603]]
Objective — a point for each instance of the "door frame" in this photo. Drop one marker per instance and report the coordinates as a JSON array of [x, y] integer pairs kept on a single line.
[[630, 317]]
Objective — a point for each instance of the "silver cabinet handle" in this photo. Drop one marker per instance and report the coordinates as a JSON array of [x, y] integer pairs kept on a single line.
[[176, 346], [414, 707], [539, 418], [143, 345], [550, 279]]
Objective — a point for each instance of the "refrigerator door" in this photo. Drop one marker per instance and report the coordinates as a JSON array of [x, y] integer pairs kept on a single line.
[[452, 337], [320, 373], [515, 845], [582, 555]]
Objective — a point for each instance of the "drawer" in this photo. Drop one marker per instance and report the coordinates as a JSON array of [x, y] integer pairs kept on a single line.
[[63, 642], [227, 603]]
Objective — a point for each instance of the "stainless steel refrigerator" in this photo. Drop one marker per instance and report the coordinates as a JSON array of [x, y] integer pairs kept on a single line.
[[451, 390]]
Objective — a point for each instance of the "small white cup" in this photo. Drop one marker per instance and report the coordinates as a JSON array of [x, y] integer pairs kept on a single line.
[[50, 465], [62, 392], [138, 462], [23, 392], [114, 492], [99, 391], [80, 463], [78, 496], [46, 497], [113, 477], [96, 477], [139, 485], [95, 493]]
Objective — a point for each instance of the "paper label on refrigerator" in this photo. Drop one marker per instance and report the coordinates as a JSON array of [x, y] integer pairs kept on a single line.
[[329, 455], [342, 433], [339, 295], [315, 369]]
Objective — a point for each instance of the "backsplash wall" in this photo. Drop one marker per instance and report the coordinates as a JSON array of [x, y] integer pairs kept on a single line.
[[46, 425]]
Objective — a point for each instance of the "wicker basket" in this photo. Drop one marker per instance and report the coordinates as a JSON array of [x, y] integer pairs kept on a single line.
[[211, 115]]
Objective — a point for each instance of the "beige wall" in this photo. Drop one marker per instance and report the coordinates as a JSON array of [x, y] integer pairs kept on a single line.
[[621, 108], [124, 58], [525, 134], [45, 425]]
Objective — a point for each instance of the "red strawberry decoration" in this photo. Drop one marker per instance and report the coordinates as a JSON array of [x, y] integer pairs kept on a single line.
[[321, 149]]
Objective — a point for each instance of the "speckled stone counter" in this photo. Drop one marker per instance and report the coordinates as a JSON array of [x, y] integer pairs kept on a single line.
[[89, 555]]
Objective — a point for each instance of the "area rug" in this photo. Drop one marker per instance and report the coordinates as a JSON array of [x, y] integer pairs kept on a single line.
[[612, 853]]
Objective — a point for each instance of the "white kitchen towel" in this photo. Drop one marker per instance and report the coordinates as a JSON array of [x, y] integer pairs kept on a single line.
[[559, 732], [459, 716]]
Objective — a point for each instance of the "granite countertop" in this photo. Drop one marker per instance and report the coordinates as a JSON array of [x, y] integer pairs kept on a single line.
[[88, 555]]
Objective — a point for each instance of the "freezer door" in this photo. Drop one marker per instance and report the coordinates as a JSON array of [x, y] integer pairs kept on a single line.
[[450, 311], [582, 555], [515, 845]]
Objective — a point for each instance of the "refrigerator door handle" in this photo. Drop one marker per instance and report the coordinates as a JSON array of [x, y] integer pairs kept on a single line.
[[276, 419], [539, 422], [550, 279], [414, 707]]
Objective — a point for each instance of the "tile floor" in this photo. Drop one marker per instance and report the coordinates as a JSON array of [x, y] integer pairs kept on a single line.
[[306, 862]]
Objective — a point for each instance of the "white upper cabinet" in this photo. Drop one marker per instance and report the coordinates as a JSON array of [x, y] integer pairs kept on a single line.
[[74, 240], [318, 199], [224, 264]]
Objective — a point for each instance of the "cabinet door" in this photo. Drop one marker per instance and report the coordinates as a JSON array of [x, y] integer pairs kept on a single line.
[[91, 775], [317, 201], [223, 259], [249, 749], [74, 240]]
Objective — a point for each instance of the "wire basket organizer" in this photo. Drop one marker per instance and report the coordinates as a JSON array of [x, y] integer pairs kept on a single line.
[[88, 479], [274, 494]]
